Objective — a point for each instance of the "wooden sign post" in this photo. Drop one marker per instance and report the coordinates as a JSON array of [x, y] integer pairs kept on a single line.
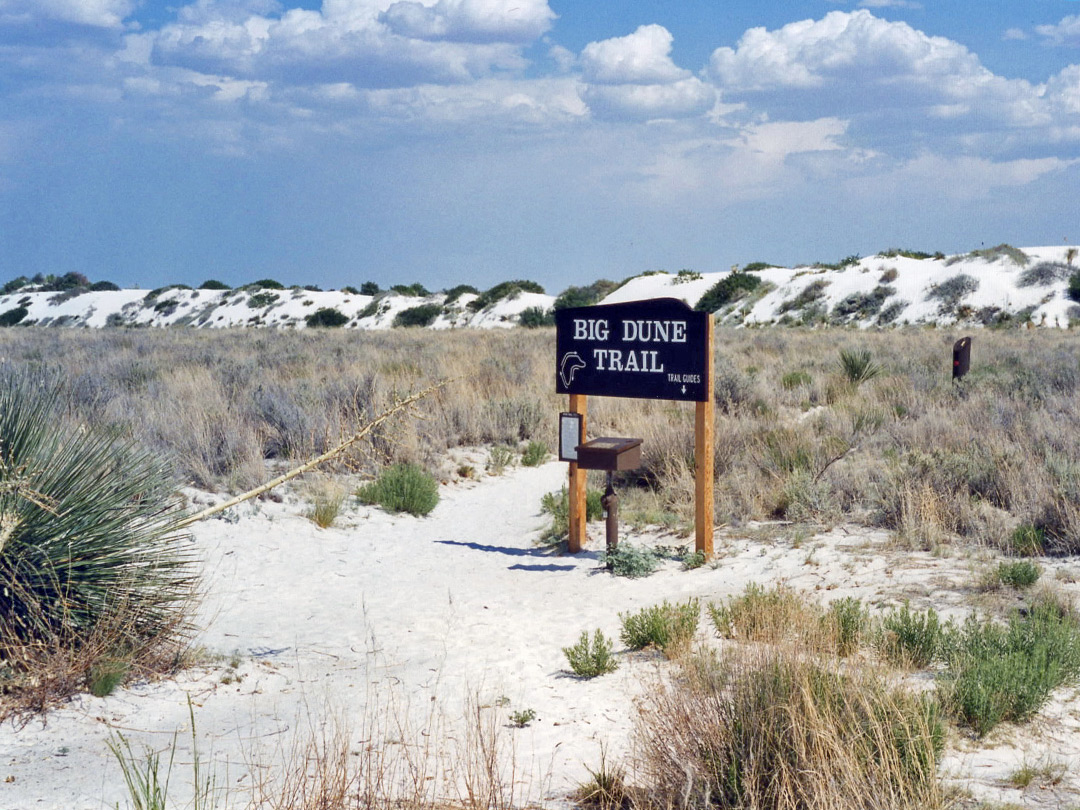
[[659, 349]]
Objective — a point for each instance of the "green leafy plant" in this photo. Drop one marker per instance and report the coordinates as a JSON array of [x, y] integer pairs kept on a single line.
[[1019, 574], [88, 532], [263, 299], [693, 560], [499, 458], [423, 315], [794, 379], [558, 506], [402, 488], [454, 293], [628, 560], [535, 317], [326, 317], [534, 454], [849, 621], [730, 288], [1006, 672], [912, 639], [214, 284], [522, 717], [591, 657], [668, 627], [1028, 541], [858, 367], [505, 289], [13, 316]]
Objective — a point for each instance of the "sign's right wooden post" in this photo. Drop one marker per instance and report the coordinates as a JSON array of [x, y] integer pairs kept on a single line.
[[704, 430]]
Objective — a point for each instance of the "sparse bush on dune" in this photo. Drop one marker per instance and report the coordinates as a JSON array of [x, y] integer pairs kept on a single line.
[[402, 488]]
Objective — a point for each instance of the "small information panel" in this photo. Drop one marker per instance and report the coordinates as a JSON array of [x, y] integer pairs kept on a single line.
[[570, 436], [655, 349]]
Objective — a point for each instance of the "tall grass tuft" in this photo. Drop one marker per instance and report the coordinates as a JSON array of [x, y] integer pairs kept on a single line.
[[858, 367], [89, 550], [772, 728], [670, 628]]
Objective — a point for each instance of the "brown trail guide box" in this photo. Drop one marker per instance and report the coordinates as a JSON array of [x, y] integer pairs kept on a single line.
[[608, 453]]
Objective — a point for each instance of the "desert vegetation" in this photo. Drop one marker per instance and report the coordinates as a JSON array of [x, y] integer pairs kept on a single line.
[[816, 427]]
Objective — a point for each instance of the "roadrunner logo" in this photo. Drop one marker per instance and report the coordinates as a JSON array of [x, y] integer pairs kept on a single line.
[[571, 362]]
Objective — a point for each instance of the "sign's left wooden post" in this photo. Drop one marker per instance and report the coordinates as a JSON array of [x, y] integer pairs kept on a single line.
[[576, 540]]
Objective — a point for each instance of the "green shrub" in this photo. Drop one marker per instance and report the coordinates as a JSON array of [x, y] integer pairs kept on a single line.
[[15, 284], [267, 284], [591, 657], [13, 316], [402, 488], [858, 367], [1073, 290], [1019, 575], [351, 290], [505, 289], [811, 293], [454, 293], [730, 288], [534, 454], [214, 284], [1028, 541], [693, 560], [764, 615], [793, 379], [847, 621], [893, 253], [499, 458], [103, 286], [260, 300], [628, 560], [326, 317], [558, 506], [534, 317], [952, 290], [862, 305], [369, 288], [670, 628], [584, 296], [88, 532], [1006, 673], [912, 639], [414, 290], [423, 315]]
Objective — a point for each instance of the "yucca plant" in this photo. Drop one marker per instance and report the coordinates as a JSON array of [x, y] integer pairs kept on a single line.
[[87, 532], [858, 367]]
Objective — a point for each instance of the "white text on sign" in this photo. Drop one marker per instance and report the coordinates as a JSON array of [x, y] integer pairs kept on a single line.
[[640, 331]]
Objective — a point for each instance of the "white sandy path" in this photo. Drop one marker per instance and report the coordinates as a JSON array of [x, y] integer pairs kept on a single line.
[[460, 603]]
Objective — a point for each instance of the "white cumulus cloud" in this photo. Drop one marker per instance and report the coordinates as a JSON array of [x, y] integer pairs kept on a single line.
[[643, 57], [470, 20], [97, 13], [1066, 32]]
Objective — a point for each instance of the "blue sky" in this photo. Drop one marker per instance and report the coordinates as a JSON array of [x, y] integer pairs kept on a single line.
[[470, 141]]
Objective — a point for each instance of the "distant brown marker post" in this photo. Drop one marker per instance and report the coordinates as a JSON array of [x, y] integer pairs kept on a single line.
[[961, 358]]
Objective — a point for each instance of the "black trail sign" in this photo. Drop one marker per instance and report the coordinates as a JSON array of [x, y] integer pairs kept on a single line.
[[654, 349]]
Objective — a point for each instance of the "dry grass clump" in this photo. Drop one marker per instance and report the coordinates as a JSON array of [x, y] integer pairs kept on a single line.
[[771, 728]]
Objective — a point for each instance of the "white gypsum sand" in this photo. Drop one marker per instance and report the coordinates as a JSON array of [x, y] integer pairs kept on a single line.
[[400, 618]]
